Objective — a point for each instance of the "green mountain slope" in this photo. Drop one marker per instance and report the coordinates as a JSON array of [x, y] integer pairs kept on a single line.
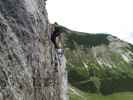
[[98, 63]]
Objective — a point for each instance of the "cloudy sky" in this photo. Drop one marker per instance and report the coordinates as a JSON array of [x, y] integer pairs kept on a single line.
[[94, 16]]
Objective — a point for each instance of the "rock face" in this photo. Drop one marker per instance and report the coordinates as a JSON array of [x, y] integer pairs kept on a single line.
[[27, 57]]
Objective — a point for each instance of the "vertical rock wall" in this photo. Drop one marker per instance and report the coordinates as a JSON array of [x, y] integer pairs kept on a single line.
[[27, 71]]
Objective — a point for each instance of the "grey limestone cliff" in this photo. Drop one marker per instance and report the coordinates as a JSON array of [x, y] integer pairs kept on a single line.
[[27, 56]]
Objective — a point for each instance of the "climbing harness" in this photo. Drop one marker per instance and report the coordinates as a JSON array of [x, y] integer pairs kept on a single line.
[[60, 55], [60, 52]]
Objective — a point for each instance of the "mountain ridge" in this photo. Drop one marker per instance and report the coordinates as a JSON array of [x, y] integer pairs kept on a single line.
[[98, 63]]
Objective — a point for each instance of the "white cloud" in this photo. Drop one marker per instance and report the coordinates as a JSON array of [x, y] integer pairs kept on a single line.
[[112, 16], [124, 36]]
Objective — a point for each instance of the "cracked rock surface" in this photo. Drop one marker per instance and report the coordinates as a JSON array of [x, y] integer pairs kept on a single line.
[[26, 71]]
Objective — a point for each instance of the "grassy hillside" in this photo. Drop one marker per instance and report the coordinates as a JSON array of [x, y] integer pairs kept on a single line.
[[98, 63], [76, 94]]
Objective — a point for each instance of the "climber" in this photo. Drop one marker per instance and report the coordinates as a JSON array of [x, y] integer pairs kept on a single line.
[[56, 33]]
